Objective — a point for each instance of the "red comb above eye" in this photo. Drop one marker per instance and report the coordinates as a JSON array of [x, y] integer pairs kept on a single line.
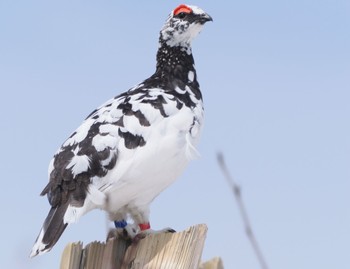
[[182, 8]]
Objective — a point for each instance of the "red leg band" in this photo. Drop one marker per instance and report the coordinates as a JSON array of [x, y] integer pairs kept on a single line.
[[144, 226]]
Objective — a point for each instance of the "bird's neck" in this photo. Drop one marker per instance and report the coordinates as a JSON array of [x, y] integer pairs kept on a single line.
[[176, 74], [176, 62]]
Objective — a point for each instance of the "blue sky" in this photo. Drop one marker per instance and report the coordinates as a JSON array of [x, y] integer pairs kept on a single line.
[[275, 76]]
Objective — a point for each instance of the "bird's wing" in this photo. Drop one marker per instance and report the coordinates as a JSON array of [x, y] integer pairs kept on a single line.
[[93, 149]]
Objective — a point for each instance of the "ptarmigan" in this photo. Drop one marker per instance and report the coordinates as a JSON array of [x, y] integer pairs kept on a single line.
[[135, 145]]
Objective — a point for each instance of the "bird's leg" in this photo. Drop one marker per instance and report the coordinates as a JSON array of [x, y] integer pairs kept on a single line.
[[141, 218], [144, 226], [124, 229], [145, 229], [144, 233], [120, 224]]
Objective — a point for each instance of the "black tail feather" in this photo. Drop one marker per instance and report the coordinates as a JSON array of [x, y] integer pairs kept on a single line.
[[51, 231]]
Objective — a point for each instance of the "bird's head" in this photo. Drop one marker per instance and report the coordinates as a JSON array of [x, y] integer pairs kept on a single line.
[[183, 24]]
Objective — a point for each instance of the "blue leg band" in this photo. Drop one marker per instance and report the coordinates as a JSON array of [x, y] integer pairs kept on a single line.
[[120, 224]]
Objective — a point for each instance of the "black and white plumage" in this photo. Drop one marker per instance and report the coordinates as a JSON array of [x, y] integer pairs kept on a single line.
[[135, 145]]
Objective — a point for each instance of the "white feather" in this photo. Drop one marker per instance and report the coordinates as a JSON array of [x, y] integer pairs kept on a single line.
[[101, 142], [80, 133], [110, 129], [51, 166], [132, 124], [79, 164], [38, 247], [191, 76], [96, 196]]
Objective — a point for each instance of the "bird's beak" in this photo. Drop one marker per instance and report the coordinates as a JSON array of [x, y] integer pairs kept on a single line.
[[204, 18]]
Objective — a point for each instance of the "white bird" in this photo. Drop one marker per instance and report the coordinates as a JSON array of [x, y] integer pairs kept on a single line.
[[135, 145]]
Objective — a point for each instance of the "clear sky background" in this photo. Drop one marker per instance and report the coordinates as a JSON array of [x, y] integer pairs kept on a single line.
[[275, 76]]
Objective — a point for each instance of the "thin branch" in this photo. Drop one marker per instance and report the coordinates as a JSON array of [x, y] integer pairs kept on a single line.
[[238, 196]]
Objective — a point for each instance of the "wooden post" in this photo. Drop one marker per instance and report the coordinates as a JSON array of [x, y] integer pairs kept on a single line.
[[215, 263], [181, 250]]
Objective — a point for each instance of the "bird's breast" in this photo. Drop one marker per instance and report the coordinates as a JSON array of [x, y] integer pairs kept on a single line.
[[142, 173]]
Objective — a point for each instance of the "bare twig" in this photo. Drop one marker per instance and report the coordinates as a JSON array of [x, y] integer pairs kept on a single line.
[[247, 226]]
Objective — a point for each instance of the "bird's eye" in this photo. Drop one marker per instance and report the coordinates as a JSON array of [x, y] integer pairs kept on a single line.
[[181, 15]]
